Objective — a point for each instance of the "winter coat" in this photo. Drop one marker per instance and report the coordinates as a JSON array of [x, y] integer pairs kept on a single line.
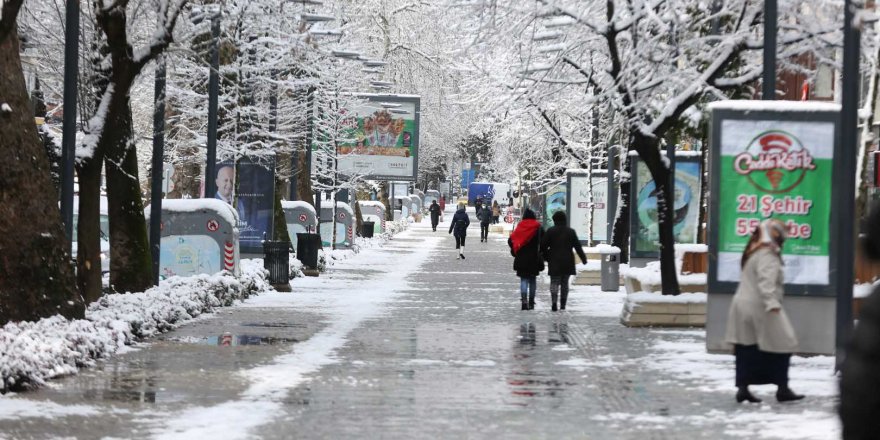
[[860, 375], [760, 290], [556, 247], [460, 222], [496, 211], [528, 261], [485, 216], [435, 211]]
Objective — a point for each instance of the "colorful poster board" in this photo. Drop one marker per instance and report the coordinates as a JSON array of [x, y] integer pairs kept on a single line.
[[775, 162], [580, 214], [381, 138], [554, 200], [644, 227]]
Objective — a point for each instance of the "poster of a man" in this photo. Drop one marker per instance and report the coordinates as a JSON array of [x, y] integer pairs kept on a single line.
[[225, 182]]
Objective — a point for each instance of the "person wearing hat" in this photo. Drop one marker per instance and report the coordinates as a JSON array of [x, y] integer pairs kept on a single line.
[[459, 225], [762, 336], [556, 247]]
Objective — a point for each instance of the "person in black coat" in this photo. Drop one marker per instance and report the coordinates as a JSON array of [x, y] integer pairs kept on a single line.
[[485, 216], [556, 247], [860, 373], [434, 210], [525, 247], [459, 224]]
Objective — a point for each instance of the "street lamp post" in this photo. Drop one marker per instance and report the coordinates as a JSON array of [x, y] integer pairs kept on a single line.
[[768, 87], [849, 139], [68, 145], [197, 16], [158, 157]]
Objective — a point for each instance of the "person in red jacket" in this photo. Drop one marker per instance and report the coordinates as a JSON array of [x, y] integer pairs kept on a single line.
[[525, 243]]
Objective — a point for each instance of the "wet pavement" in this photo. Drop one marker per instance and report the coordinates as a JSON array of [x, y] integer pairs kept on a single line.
[[418, 344]]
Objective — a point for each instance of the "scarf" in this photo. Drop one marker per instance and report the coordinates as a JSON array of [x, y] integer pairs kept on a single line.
[[524, 232]]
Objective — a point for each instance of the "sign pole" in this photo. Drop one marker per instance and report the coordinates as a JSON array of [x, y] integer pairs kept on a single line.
[[847, 163], [768, 87]]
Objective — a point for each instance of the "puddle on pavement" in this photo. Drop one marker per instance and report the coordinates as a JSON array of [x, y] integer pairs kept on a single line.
[[230, 340], [273, 324]]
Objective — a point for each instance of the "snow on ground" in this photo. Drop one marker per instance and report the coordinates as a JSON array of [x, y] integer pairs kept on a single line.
[[681, 353], [347, 304], [33, 352]]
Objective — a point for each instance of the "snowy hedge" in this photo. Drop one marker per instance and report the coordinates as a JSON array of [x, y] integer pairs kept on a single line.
[[33, 352]]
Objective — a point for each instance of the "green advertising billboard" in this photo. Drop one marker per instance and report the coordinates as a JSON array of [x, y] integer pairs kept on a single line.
[[774, 163]]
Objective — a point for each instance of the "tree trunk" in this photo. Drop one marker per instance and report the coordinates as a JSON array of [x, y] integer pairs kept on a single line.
[[36, 275], [383, 197], [649, 152], [187, 177], [88, 230], [620, 236], [279, 231], [303, 180], [130, 258]]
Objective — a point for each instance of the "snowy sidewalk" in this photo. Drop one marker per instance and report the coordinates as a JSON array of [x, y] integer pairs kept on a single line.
[[406, 341]]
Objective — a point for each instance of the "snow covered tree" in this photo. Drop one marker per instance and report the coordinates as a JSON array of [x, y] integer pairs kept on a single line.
[[36, 277], [644, 64]]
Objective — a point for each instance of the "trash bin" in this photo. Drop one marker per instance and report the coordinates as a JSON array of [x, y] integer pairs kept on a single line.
[[307, 245], [610, 269], [367, 229], [277, 261]]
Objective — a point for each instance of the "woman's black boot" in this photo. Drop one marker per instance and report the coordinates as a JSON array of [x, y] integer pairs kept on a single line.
[[785, 394], [525, 305], [743, 394]]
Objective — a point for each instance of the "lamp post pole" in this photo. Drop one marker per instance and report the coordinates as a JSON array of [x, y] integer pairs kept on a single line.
[[158, 158], [68, 143], [847, 163], [213, 97], [768, 87]]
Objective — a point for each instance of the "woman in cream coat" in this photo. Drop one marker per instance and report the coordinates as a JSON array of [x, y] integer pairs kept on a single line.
[[757, 326]]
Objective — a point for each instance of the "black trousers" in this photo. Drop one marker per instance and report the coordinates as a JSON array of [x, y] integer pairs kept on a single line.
[[434, 221], [484, 231], [459, 241]]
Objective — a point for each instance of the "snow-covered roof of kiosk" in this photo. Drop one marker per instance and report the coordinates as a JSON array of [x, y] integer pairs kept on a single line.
[[774, 106], [297, 204], [221, 208]]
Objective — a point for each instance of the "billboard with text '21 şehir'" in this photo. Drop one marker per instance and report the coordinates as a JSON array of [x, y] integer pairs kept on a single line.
[[384, 140]]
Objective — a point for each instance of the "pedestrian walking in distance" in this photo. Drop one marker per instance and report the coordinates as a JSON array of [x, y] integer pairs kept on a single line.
[[458, 228], [860, 374], [556, 247], [496, 212], [757, 326], [434, 210], [485, 216], [525, 246]]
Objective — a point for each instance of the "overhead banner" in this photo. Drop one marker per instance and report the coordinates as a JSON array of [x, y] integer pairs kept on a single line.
[[775, 164], [382, 141], [586, 207], [645, 231]]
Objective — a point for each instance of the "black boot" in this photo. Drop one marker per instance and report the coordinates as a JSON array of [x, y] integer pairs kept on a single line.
[[531, 301], [743, 394], [553, 308], [562, 303], [525, 306], [785, 394]]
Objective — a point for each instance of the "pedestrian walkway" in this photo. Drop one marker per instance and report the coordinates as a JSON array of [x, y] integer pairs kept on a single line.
[[407, 341]]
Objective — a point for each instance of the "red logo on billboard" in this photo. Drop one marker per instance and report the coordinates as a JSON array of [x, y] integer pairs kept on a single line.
[[213, 225], [303, 218], [774, 162]]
